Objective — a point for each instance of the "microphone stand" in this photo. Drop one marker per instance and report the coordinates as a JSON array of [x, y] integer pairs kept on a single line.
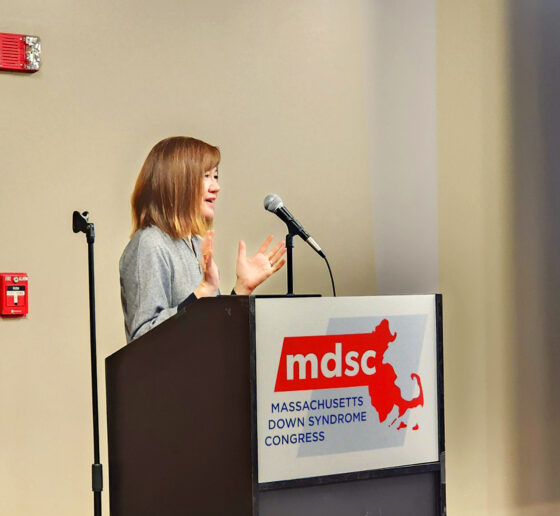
[[290, 260], [80, 223]]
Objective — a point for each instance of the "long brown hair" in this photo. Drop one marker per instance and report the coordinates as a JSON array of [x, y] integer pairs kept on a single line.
[[168, 191]]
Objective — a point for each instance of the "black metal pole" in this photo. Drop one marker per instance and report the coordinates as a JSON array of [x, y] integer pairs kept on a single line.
[[97, 468], [81, 224], [290, 263]]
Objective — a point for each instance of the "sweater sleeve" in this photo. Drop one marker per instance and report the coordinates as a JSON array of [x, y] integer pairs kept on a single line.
[[146, 288]]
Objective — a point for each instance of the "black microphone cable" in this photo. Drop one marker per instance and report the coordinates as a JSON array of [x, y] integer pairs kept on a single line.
[[330, 273]]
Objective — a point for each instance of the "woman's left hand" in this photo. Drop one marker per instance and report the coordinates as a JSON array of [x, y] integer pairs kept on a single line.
[[251, 272]]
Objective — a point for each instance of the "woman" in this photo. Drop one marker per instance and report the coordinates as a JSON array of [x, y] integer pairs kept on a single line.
[[167, 264]]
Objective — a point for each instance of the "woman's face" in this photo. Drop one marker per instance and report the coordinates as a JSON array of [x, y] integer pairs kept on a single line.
[[210, 189]]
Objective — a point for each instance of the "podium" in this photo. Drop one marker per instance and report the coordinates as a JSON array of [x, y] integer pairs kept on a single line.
[[280, 406]]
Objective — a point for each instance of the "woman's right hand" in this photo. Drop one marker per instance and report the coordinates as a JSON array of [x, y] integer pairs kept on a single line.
[[210, 276]]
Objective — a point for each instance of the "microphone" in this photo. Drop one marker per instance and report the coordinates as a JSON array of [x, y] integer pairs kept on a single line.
[[274, 204]]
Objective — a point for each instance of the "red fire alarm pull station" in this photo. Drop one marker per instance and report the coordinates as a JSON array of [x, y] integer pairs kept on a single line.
[[14, 294]]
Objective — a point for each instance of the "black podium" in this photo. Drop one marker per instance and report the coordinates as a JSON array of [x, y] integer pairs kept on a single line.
[[182, 430]]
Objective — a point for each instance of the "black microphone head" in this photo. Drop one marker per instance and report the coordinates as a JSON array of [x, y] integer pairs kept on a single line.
[[272, 202]]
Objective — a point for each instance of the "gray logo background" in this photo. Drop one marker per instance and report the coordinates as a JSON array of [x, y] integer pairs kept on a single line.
[[404, 355]]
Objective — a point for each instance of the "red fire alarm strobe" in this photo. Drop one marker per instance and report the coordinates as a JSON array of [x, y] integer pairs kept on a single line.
[[14, 294], [19, 52]]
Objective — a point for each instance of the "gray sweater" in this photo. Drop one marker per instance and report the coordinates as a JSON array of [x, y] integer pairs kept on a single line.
[[157, 273]]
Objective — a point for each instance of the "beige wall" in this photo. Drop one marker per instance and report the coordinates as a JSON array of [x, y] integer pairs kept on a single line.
[[497, 271], [475, 265], [400, 49]]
